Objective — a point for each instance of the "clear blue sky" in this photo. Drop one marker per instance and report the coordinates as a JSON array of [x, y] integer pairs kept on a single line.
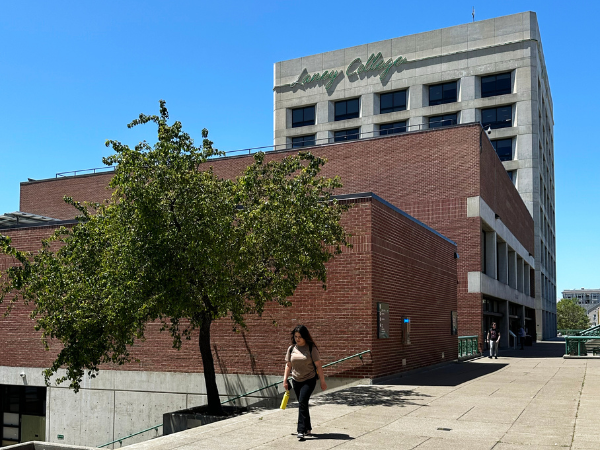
[[73, 74]]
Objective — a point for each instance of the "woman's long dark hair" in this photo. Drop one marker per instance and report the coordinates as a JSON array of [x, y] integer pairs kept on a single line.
[[305, 335]]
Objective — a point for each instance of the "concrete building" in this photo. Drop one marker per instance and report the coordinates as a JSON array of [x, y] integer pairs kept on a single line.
[[583, 296], [491, 71]]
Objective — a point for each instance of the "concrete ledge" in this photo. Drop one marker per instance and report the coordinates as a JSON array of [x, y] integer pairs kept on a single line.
[[37, 445]]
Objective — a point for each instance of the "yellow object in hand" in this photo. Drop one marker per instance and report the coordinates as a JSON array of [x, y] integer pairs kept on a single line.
[[286, 397]]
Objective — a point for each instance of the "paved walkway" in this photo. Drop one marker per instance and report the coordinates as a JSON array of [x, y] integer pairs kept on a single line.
[[530, 399]]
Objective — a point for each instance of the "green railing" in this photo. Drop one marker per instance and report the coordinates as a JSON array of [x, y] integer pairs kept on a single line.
[[120, 441], [576, 345], [570, 332], [156, 427], [358, 355], [592, 331], [468, 346]]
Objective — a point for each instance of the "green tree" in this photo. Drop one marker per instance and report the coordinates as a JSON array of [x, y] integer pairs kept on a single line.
[[571, 316], [179, 245]]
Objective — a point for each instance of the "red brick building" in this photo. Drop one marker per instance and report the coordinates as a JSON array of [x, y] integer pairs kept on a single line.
[[448, 179]]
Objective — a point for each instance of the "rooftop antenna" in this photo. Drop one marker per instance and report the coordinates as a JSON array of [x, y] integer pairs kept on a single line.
[[473, 14]]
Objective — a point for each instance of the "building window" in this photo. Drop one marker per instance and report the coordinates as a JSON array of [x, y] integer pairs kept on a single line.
[[494, 118], [302, 117], [495, 85], [512, 174], [391, 102], [392, 128], [303, 141], [347, 109], [442, 121], [503, 149], [442, 93], [346, 135]]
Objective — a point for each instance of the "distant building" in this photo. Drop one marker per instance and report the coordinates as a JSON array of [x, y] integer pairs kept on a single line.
[[583, 296]]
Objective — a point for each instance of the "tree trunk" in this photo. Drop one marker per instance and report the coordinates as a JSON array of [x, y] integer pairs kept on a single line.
[[212, 392]]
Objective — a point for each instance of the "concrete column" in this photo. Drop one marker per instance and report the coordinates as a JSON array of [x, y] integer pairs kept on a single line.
[[527, 279], [523, 316], [322, 112], [415, 96], [323, 137], [503, 262], [467, 88], [520, 274], [490, 254], [503, 326], [417, 123], [512, 269], [468, 116], [367, 109]]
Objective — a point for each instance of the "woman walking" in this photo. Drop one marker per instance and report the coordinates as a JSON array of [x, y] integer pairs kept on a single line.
[[304, 363]]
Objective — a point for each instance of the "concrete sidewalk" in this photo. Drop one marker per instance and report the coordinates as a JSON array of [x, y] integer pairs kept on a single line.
[[531, 399]]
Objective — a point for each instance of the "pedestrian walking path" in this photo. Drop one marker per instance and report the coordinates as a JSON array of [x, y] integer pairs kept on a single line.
[[530, 399]]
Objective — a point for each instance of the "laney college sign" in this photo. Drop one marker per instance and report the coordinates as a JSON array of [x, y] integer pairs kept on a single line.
[[374, 64]]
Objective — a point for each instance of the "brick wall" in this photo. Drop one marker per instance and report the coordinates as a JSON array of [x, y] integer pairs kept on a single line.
[[428, 174], [414, 272], [45, 197], [392, 259]]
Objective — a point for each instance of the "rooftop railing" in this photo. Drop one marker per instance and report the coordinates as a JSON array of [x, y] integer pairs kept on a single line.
[[307, 143]]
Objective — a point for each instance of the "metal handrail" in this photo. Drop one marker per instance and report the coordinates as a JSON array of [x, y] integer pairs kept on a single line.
[[155, 427], [570, 332], [73, 173], [578, 340], [120, 441], [313, 142], [359, 355]]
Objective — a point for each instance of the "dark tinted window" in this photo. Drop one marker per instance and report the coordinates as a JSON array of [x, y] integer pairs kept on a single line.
[[303, 141], [302, 117], [346, 109], [346, 135], [394, 101], [442, 93], [503, 148], [392, 128], [442, 121], [495, 85], [500, 117]]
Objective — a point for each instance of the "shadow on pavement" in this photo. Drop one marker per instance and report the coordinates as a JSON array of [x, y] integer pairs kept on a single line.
[[332, 436], [544, 349], [370, 396], [448, 375]]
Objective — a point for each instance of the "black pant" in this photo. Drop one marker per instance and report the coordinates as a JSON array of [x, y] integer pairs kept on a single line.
[[303, 391]]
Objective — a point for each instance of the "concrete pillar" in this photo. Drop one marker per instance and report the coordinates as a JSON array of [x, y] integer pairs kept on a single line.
[[520, 274], [467, 89], [512, 269], [490, 254], [322, 112], [502, 262], [415, 96], [367, 109], [503, 326], [527, 279]]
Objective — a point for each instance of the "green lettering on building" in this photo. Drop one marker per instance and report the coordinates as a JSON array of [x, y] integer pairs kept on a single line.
[[375, 63]]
